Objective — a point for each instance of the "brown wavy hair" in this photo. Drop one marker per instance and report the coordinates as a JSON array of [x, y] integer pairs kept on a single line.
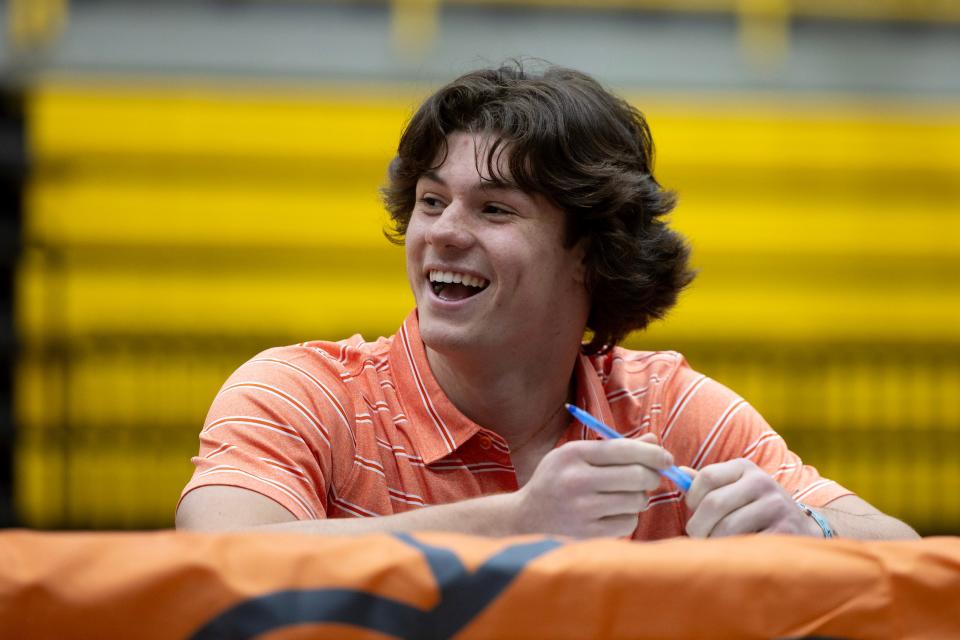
[[587, 151]]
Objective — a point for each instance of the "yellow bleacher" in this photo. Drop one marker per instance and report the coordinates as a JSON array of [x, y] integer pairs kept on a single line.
[[173, 231]]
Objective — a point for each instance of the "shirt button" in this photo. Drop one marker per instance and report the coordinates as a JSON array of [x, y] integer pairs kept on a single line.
[[485, 442]]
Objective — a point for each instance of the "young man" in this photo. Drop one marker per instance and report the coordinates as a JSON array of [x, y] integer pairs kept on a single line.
[[530, 216]]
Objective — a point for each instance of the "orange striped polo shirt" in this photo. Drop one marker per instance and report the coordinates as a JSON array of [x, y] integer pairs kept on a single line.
[[355, 428]]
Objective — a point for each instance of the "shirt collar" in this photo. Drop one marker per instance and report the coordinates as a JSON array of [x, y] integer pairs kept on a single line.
[[592, 398], [440, 428]]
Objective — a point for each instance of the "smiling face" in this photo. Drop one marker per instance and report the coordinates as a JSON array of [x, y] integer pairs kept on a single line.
[[487, 263]]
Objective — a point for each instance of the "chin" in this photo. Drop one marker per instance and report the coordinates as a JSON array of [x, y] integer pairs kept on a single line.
[[447, 339]]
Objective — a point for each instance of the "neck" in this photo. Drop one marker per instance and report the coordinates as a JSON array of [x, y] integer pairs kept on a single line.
[[518, 398]]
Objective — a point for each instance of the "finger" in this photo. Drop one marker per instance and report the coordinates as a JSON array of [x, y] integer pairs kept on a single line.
[[739, 521], [608, 505], [713, 477], [690, 471], [620, 452], [617, 526], [756, 517], [719, 504], [626, 477]]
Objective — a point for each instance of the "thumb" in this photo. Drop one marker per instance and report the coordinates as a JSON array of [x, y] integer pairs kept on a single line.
[[691, 502], [649, 437]]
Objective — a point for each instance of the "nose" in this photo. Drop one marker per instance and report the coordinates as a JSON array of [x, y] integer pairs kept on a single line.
[[451, 229]]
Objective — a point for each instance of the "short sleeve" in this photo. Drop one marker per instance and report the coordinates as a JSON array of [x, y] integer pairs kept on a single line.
[[704, 423], [278, 427]]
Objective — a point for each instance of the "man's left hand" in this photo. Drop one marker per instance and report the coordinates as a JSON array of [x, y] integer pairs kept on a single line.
[[735, 497]]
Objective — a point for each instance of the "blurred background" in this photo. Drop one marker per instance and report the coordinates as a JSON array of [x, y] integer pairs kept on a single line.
[[186, 183]]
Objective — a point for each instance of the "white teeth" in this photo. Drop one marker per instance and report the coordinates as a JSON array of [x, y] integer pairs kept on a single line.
[[454, 277]]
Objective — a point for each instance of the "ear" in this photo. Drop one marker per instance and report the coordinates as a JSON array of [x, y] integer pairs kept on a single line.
[[579, 254]]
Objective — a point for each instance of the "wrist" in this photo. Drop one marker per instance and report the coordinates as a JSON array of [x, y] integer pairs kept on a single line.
[[818, 524], [503, 515]]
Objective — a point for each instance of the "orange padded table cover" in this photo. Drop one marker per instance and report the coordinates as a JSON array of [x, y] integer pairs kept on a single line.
[[281, 586]]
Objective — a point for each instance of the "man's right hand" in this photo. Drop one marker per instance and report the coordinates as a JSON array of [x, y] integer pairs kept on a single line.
[[590, 488]]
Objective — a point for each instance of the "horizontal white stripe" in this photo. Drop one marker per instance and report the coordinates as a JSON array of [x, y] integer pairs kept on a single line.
[[222, 419], [258, 425], [813, 487], [473, 468], [499, 447], [387, 445], [368, 461], [643, 426], [299, 476], [325, 391], [400, 452], [356, 373], [379, 405], [619, 394], [645, 361], [354, 508], [289, 467], [754, 448], [223, 448], [366, 467], [664, 498], [404, 494], [784, 468], [290, 400]]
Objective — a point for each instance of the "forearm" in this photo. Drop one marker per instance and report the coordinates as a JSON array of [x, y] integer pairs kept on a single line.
[[486, 516], [866, 526]]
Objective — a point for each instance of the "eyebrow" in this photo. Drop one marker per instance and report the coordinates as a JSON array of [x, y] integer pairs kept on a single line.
[[433, 175], [486, 184]]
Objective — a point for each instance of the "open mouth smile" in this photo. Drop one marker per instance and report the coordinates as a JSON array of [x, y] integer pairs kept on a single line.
[[453, 285]]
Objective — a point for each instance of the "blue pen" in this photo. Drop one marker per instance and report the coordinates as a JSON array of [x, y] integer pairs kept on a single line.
[[674, 473]]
